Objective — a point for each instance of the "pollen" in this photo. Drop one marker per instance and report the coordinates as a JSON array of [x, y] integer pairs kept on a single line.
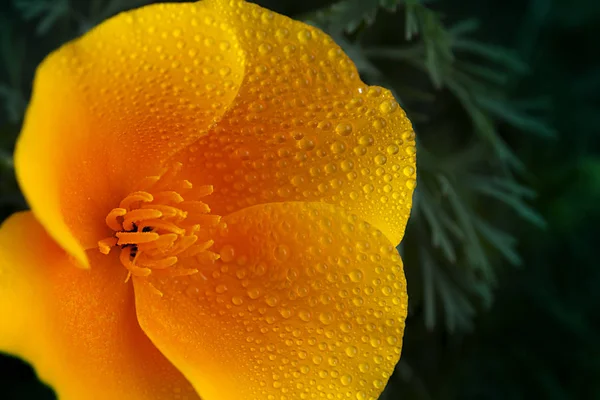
[[156, 227]]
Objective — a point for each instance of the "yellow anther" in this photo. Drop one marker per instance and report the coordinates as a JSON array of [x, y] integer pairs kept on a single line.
[[183, 244], [207, 256], [197, 249], [181, 272], [106, 244], [159, 263], [181, 186], [168, 197], [201, 191], [208, 220], [135, 197], [125, 258], [160, 224], [167, 211], [139, 215], [135, 237], [194, 207], [112, 219], [165, 241]]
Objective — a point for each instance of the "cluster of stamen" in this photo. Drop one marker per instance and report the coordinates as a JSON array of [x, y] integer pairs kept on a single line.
[[156, 227]]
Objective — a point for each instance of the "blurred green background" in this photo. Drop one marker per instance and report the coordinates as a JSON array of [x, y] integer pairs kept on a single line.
[[500, 252]]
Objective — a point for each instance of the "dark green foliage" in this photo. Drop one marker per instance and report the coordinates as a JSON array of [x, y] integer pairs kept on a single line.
[[504, 97]]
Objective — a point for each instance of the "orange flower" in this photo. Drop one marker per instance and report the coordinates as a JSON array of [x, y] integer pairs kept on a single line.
[[215, 198]]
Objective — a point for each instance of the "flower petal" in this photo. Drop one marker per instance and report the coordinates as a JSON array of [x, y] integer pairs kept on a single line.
[[109, 107], [304, 127], [77, 327], [306, 300]]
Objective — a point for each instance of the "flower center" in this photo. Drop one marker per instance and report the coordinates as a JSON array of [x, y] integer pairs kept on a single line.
[[156, 227]]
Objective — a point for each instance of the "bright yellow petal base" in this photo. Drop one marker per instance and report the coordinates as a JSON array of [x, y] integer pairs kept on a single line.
[[77, 327]]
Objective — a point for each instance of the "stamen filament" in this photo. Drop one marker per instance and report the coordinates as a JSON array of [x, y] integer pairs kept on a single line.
[[106, 244], [201, 191], [139, 215], [164, 241], [134, 269], [197, 249], [134, 198], [168, 197], [135, 237], [167, 211], [208, 220], [112, 219], [158, 264], [194, 207], [161, 224]]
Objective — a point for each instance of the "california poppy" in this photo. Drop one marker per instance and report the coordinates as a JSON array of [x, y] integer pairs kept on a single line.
[[215, 203]]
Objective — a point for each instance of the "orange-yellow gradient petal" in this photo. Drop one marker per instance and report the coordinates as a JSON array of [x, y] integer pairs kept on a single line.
[[303, 127], [77, 327], [306, 301], [109, 107]]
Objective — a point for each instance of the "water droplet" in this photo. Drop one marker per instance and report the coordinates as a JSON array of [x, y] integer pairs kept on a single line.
[[408, 171], [366, 140], [380, 159], [356, 275], [346, 379], [326, 318], [221, 288], [272, 300], [285, 312], [304, 35], [388, 106], [393, 149], [338, 147], [254, 293], [345, 326], [304, 315], [351, 351], [306, 144], [281, 252], [237, 300], [227, 253], [379, 123], [265, 48], [343, 129]]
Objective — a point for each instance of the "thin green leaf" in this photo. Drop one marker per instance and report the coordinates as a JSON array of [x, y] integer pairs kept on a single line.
[[484, 126], [348, 15], [502, 241], [505, 184], [464, 27], [504, 111], [439, 238], [516, 203], [492, 53], [475, 253], [489, 74]]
